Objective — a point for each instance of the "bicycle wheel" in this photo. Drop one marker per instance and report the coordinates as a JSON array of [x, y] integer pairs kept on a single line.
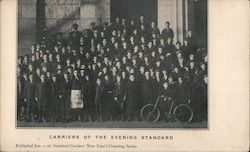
[[150, 113], [183, 113]]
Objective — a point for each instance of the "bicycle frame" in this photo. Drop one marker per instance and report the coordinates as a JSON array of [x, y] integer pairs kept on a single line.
[[169, 113], [156, 105]]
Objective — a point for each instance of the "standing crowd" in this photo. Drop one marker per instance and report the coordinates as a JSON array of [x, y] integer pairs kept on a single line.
[[116, 69]]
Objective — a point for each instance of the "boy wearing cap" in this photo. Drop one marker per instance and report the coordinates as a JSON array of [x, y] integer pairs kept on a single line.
[[74, 37]]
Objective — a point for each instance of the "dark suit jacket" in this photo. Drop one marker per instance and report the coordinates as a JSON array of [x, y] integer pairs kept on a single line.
[[98, 94], [74, 38], [120, 90], [167, 33], [182, 94], [30, 90], [132, 92], [89, 92], [147, 90], [55, 90], [43, 91], [65, 89]]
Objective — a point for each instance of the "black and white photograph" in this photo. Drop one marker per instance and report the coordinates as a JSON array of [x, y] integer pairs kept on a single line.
[[112, 64]]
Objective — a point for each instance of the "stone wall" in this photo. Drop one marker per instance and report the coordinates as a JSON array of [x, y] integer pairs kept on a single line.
[[61, 14], [92, 10], [59, 17], [26, 25]]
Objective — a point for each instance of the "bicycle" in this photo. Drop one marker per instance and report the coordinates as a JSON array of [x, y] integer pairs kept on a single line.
[[180, 112]]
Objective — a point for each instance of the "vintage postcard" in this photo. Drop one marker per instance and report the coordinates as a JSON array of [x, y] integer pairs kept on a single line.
[[124, 75]]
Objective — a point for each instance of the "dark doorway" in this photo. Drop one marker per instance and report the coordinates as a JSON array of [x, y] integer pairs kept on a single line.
[[40, 20], [200, 22], [133, 9]]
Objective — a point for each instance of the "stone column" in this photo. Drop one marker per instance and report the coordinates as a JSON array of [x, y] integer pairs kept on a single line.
[[186, 16], [180, 20], [26, 25], [172, 11]]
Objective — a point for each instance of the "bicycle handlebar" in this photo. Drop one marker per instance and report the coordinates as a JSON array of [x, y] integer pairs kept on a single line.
[[165, 98]]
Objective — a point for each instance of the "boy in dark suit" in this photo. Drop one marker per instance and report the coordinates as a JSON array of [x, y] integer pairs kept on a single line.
[[119, 96], [65, 94], [167, 32], [98, 99], [55, 98], [42, 98], [29, 98], [132, 100]]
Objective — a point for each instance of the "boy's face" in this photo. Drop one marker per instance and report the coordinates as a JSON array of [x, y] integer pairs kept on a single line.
[[169, 40], [87, 77], [165, 85], [38, 70], [75, 73], [205, 79], [82, 72], [106, 78], [150, 44], [132, 78], [31, 77], [123, 74], [153, 24], [42, 78], [176, 70], [158, 63], [147, 74], [18, 69], [48, 74], [65, 76], [170, 79], [118, 78], [117, 20], [203, 66], [54, 78], [191, 57], [192, 64], [33, 48], [167, 24], [142, 69], [33, 58], [180, 80], [157, 74], [104, 70], [30, 66], [44, 69], [19, 60], [98, 81], [124, 59], [179, 55]]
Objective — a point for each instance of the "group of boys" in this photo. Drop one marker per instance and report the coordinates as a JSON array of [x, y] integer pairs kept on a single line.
[[116, 68]]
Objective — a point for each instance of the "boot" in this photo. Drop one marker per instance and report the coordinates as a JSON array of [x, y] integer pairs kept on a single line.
[[101, 120], [27, 117], [31, 117], [43, 119], [98, 118], [89, 118], [122, 117]]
